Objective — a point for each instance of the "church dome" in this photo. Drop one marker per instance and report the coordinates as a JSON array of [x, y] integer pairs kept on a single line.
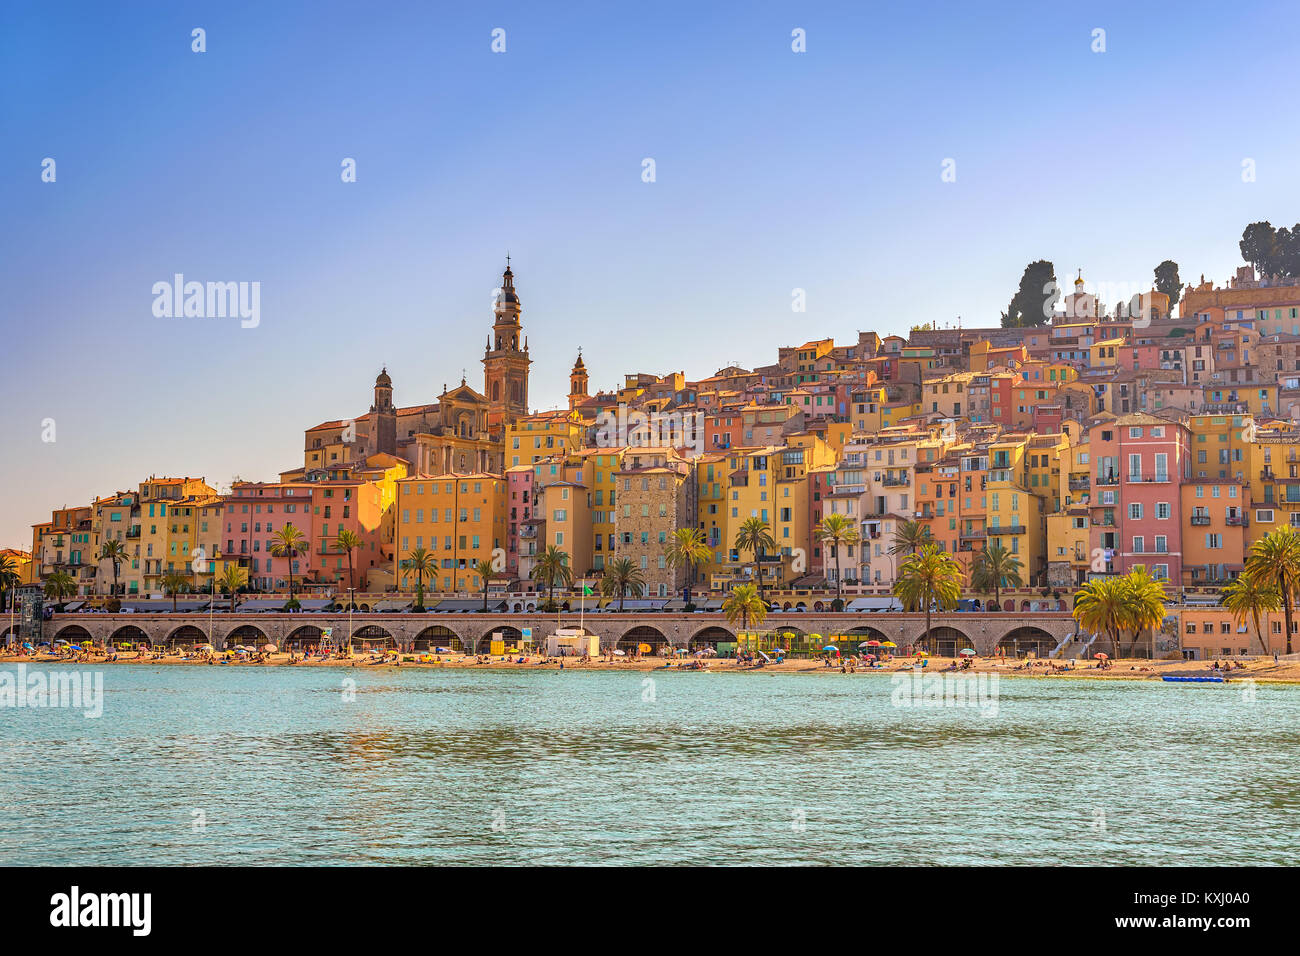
[[383, 380]]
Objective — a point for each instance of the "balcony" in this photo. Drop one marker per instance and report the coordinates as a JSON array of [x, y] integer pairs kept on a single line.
[[133, 532], [1080, 484], [1007, 529], [976, 533], [1200, 520], [1237, 521], [1158, 478], [1107, 480], [892, 481]]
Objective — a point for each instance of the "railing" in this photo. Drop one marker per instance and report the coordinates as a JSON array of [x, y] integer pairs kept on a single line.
[[1107, 480], [895, 482], [974, 533], [1007, 529], [1200, 519], [1080, 484], [1148, 479], [1237, 521]]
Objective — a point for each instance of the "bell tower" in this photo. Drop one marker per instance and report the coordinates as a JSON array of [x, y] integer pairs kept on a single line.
[[505, 360], [577, 383], [383, 417]]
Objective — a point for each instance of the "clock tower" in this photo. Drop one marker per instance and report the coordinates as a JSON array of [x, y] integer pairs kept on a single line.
[[505, 360]]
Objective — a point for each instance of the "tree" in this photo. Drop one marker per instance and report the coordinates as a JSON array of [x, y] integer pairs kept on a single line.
[[1099, 607], [927, 579], [422, 562], [755, 537], [996, 568], [232, 578], [1035, 299], [1258, 246], [289, 543], [621, 577], [1144, 604], [744, 603], [1275, 559], [485, 572], [347, 542], [173, 583], [114, 551], [687, 549], [835, 530], [552, 568], [910, 536], [1248, 597], [59, 585], [9, 579], [1167, 282]]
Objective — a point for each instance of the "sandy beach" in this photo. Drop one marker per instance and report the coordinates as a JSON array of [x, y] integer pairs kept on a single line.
[[1260, 669]]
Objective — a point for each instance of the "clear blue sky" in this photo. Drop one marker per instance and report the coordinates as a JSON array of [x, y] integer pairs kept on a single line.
[[775, 170]]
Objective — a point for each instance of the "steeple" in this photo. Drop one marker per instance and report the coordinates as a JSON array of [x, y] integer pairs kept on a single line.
[[577, 383], [506, 361]]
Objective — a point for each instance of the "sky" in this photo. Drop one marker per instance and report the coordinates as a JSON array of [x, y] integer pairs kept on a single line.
[[774, 171]]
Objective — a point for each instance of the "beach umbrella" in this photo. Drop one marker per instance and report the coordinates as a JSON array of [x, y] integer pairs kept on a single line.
[[28, 646], [922, 653], [888, 644], [831, 647], [268, 648], [1102, 657], [967, 652], [644, 648], [870, 657], [869, 644]]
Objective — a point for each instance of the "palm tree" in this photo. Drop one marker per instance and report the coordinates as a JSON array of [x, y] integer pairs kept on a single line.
[[422, 562], [552, 568], [348, 541], [835, 530], [745, 603], [622, 577], [996, 568], [1099, 606], [485, 570], [910, 536], [59, 585], [687, 549], [232, 578], [9, 579], [173, 582], [1144, 604], [114, 551], [754, 536], [929, 578], [288, 543], [1275, 559], [1248, 597]]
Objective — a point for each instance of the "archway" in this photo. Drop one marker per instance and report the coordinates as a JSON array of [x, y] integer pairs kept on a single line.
[[72, 633], [1028, 639], [129, 634], [372, 635], [437, 635], [711, 636], [187, 634], [512, 636], [248, 635], [946, 641], [644, 634], [305, 635]]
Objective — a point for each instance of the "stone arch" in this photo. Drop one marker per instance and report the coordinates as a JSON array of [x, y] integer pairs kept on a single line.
[[436, 635], [644, 634], [187, 634], [248, 634], [304, 634], [372, 634], [711, 636], [129, 634], [946, 641], [511, 634], [1026, 638], [73, 633]]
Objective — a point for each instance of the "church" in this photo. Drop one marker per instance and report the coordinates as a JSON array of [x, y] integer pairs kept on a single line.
[[462, 432]]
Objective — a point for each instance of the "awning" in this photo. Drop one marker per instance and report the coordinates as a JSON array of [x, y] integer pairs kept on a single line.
[[73, 605], [874, 604], [455, 606], [638, 605], [163, 607], [392, 604], [262, 604], [316, 604]]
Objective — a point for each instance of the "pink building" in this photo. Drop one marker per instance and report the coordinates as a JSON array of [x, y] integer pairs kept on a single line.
[[1139, 462], [521, 534], [253, 512]]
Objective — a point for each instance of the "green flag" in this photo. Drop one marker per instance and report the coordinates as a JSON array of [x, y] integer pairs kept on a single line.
[[586, 589]]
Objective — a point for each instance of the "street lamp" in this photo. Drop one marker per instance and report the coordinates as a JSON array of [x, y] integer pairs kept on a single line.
[[351, 602]]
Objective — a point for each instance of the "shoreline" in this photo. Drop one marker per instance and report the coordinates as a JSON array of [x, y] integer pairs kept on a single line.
[[1263, 670]]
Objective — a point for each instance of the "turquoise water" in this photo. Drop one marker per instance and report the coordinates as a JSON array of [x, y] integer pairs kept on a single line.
[[500, 767]]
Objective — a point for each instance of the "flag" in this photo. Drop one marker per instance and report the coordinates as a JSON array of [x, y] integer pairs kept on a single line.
[[586, 589]]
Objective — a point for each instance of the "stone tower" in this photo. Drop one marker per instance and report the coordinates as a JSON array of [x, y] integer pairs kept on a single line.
[[577, 383], [383, 417], [505, 360]]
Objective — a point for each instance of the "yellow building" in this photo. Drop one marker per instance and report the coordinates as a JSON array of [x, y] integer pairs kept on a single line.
[[534, 437], [459, 519], [168, 525], [1015, 514]]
